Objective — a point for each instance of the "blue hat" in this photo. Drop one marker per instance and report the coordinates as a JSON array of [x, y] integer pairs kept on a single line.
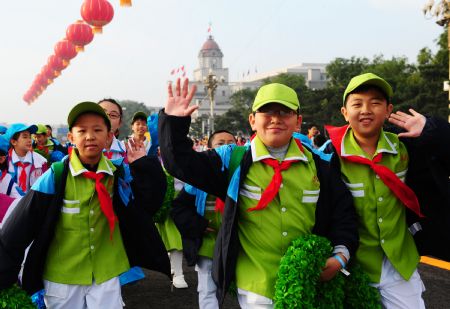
[[19, 127], [3, 129], [4, 144]]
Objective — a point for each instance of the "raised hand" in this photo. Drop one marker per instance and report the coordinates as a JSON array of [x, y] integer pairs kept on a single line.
[[413, 124], [135, 150], [178, 104]]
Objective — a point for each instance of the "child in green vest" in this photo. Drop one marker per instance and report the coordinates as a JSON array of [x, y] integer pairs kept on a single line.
[[198, 216], [278, 193], [88, 221], [374, 165]]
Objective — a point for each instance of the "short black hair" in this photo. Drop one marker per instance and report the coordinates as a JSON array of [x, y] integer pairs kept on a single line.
[[366, 88], [49, 127], [113, 102], [211, 137]]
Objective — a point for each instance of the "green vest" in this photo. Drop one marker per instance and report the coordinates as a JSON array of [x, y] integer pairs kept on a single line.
[[215, 218], [266, 234], [82, 250], [382, 222]]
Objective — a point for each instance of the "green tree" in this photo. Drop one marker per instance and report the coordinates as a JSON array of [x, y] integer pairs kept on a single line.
[[236, 118]]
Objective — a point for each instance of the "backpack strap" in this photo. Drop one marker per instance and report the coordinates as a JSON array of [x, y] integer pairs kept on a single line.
[[235, 160], [10, 186]]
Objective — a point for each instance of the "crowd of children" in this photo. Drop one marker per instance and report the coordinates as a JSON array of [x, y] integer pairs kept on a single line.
[[77, 222]]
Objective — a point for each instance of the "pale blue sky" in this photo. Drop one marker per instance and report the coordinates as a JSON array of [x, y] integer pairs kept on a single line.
[[133, 57]]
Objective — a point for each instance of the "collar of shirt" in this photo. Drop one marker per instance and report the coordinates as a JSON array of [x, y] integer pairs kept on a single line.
[[27, 159], [349, 145], [77, 168], [260, 152]]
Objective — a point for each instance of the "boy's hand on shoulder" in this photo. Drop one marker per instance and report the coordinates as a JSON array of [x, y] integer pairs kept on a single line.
[[178, 104], [135, 150], [413, 124]]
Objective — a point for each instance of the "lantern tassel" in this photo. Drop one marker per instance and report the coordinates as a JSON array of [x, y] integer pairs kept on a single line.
[[125, 3], [97, 29]]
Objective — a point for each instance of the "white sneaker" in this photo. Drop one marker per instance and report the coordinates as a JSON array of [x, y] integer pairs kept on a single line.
[[179, 282]]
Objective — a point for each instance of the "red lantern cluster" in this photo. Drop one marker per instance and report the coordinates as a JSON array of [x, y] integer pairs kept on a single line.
[[95, 13]]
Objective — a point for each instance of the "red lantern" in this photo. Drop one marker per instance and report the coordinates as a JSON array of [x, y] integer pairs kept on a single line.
[[97, 13], [79, 34], [65, 50], [56, 64], [48, 73]]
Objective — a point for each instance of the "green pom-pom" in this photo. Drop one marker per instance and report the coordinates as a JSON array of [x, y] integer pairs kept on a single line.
[[161, 215], [298, 284], [15, 298], [359, 291]]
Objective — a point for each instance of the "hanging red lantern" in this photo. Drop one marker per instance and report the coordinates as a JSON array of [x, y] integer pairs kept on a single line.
[[97, 13], [80, 34], [125, 2], [65, 50], [56, 64], [48, 74]]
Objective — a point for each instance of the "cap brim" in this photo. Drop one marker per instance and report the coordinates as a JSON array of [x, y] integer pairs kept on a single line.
[[285, 103]]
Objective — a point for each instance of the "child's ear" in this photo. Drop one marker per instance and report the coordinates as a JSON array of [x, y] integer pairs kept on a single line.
[[344, 113], [299, 122], [390, 108], [251, 120], [70, 137]]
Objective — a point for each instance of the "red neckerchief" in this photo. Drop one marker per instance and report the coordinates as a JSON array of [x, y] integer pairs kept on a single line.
[[23, 175], [43, 148], [219, 206], [274, 186], [404, 193], [104, 198]]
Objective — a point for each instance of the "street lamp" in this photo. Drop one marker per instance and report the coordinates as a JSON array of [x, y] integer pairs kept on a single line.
[[440, 11], [211, 84]]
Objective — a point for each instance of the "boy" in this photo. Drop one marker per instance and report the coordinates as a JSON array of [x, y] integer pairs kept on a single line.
[[374, 164], [139, 128], [45, 146], [280, 192], [24, 165], [197, 216], [87, 222]]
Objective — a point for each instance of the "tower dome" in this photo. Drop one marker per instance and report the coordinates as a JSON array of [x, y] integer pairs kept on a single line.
[[210, 48]]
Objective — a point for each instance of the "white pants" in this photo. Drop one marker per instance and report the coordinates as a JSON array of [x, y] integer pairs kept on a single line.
[[396, 292], [206, 287], [250, 300], [95, 296]]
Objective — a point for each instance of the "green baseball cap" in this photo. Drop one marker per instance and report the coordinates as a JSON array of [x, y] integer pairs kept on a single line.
[[139, 115], [41, 129], [368, 79], [86, 107], [276, 93]]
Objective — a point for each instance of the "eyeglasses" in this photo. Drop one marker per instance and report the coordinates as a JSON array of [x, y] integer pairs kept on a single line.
[[281, 113], [113, 115]]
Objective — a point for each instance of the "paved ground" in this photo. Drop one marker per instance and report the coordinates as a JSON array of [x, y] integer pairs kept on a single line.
[[155, 291]]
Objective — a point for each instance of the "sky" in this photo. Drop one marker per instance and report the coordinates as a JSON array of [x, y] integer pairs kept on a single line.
[[133, 57]]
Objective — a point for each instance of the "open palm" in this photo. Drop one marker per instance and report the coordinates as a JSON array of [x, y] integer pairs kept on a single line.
[[412, 123], [178, 104]]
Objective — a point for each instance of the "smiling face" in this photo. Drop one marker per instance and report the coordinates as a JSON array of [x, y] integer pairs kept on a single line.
[[113, 112], [139, 127], [274, 124], [41, 139], [366, 113], [22, 144], [90, 135]]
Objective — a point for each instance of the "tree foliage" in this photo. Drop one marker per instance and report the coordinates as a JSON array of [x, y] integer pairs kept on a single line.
[[416, 85]]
